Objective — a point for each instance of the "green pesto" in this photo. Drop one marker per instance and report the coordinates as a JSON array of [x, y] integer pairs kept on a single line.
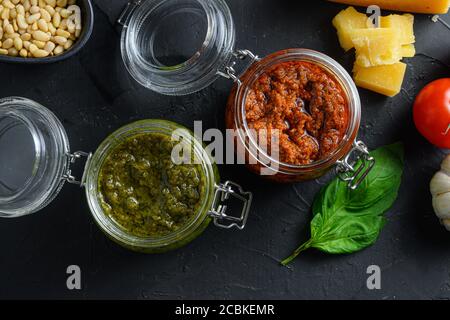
[[144, 192]]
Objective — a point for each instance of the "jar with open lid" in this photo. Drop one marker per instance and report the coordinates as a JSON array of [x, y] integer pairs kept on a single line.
[[35, 167], [149, 58]]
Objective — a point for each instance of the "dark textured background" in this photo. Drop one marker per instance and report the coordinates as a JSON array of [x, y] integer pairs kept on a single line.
[[93, 95]]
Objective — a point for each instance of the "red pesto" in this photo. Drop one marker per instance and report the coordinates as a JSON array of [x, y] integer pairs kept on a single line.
[[305, 103]]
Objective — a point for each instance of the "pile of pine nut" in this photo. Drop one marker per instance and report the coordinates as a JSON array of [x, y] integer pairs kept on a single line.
[[38, 28]]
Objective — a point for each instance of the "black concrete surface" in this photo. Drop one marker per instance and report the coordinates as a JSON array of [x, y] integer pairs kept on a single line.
[[93, 95]]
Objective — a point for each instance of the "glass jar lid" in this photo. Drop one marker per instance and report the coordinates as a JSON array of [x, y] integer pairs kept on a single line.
[[33, 157], [159, 59]]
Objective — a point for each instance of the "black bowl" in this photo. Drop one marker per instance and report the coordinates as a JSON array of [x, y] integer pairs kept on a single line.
[[87, 14]]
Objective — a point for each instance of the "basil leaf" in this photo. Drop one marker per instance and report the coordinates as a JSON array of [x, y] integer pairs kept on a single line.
[[346, 235], [348, 220]]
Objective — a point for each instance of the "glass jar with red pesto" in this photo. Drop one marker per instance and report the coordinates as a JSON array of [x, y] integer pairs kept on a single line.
[[308, 146], [313, 106]]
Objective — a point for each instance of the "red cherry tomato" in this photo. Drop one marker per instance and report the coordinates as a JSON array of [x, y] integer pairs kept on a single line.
[[432, 112]]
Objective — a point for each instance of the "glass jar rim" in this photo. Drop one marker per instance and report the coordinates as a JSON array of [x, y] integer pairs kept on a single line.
[[298, 54], [91, 186], [50, 155], [198, 71]]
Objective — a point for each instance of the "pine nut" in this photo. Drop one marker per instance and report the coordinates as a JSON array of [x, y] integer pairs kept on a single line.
[[58, 50], [50, 10], [49, 47], [40, 53], [13, 13], [13, 52], [45, 15], [12, 35], [40, 36], [5, 14], [8, 4], [35, 9], [26, 37], [56, 19], [8, 43], [9, 28], [51, 3], [21, 22], [68, 44], [33, 18], [26, 5], [63, 24], [62, 33], [65, 13], [52, 29], [42, 24], [18, 44], [39, 44], [20, 10], [60, 40], [33, 48]]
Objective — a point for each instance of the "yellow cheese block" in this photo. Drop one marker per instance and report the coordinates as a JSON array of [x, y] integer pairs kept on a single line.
[[404, 24], [356, 68], [345, 22], [408, 51], [387, 79], [418, 6], [376, 46]]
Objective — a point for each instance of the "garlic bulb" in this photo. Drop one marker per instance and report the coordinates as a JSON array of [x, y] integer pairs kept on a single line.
[[440, 189]]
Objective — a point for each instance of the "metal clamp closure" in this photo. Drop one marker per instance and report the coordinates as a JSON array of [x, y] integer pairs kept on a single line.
[[218, 211], [358, 156], [72, 158], [230, 72], [127, 11]]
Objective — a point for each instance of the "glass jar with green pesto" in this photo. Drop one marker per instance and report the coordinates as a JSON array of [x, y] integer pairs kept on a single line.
[[151, 186], [142, 199]]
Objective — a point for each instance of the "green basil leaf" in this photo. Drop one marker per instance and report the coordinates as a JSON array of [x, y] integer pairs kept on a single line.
[[348, 220], [347, 236]]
